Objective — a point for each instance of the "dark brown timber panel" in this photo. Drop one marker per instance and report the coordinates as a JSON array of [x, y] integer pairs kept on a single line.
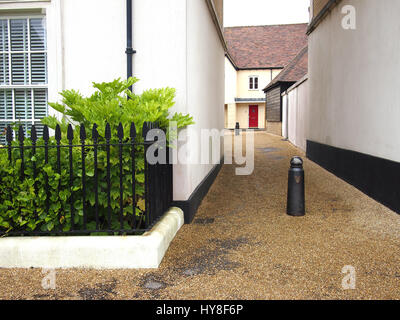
[[274, 104]]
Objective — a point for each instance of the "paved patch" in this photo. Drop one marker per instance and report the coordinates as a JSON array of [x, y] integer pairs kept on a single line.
[[214, 257], [101, 291], [268, 150], [191, 272], [204, 221], [154, 285], [276, 158]]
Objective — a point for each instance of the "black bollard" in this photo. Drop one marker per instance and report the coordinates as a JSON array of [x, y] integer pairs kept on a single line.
[[295, 197], [237, 129]]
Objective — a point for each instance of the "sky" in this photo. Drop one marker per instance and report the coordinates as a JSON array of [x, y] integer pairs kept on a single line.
[[264, 12]]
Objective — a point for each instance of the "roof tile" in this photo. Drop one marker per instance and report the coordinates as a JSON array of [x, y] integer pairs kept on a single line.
[[294, 71], [271, 46]]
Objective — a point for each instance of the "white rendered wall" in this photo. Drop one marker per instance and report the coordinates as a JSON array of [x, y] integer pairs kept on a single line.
[[297, 102], [285, 116], [230, 82], [231, 116], [94, 42], [160, 40], [264, 79], [354, 80], [182, 50], [230, 94], [205, 86]]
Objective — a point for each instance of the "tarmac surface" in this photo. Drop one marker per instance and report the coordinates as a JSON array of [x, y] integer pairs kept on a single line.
[[242, 245]]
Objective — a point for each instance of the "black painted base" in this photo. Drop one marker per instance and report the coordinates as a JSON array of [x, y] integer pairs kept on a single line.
[[191, 205], [376, 177]]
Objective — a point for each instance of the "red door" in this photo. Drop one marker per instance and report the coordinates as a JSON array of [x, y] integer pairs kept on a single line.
[[253, 116]]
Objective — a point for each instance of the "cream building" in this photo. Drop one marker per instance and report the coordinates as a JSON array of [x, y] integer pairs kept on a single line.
[[256, 55]]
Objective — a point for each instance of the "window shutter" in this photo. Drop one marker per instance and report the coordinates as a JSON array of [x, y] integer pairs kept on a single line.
[[40, 103], [19, 68], [39, 68], [23, 69], [3, 35], [38, 35], [23, 104], [4, 69], [19, 42], [4, 59], [19, 34], [6, 105]]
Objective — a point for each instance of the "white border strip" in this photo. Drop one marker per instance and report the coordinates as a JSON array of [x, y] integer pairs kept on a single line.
[[105, 252], [297, 84]]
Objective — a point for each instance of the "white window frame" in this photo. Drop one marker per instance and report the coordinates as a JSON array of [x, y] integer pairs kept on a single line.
[[30, 86], [254, 83]]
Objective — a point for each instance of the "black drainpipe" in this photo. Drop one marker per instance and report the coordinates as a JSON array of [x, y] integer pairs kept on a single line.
[[129, 50]]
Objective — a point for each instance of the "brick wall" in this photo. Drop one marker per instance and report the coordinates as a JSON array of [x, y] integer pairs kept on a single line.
[[274, 128]]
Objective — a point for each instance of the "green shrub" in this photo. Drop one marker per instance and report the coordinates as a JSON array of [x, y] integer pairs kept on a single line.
[[23, 202]]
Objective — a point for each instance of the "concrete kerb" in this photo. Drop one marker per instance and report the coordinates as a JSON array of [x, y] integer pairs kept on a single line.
[[95, 252]]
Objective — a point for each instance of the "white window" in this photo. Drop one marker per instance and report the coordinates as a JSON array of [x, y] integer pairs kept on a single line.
[[253, 83], [23, 72]]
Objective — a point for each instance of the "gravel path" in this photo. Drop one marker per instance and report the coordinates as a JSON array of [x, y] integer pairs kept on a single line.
[[244, 246]]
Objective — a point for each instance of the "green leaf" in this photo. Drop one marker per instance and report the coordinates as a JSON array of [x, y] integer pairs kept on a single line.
[[90, 173], [50, 226]]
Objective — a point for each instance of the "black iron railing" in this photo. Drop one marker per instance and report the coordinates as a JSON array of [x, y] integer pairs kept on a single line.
[[91, 184]]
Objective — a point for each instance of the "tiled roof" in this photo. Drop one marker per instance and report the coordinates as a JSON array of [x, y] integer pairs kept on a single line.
[[294, 71], [265, 46]]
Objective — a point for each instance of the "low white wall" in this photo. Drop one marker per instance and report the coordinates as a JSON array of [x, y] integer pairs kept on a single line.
[[112, 252], [297, 99]]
